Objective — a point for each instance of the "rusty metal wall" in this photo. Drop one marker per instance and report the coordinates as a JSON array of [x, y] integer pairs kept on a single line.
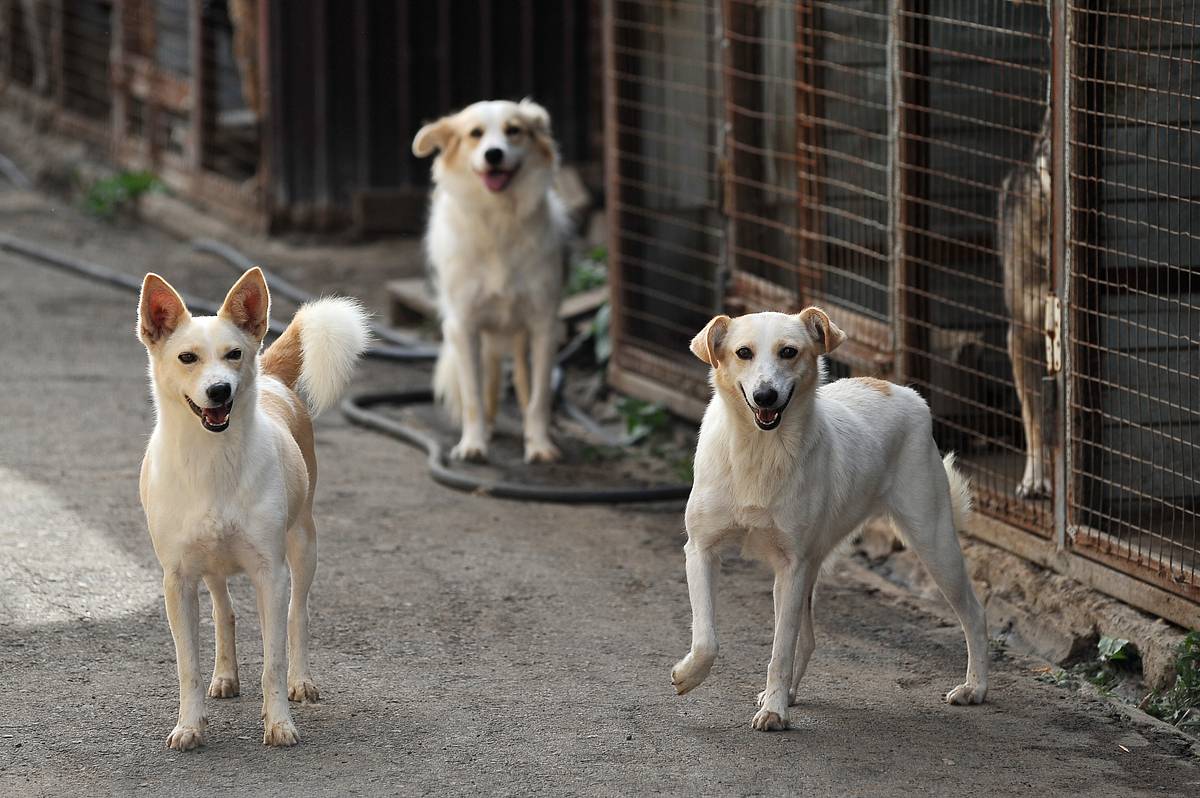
[[998, 200]]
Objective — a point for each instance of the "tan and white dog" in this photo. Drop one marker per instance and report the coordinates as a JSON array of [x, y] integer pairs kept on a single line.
[[228, 479], [791, 468], [495, 242]]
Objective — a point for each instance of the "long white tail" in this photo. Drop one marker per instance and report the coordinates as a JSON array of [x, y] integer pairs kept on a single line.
[[961, 503], [317, 352]]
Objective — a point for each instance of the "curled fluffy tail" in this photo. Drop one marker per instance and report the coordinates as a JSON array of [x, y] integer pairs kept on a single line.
[[317, 352], [960, 493]]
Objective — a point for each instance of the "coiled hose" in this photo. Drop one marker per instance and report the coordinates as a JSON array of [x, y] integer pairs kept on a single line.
[[357, 407]]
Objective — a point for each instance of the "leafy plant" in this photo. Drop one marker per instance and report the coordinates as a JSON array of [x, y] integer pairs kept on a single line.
[[642, 419], [588, 272], [1180, 704], [106, 198]]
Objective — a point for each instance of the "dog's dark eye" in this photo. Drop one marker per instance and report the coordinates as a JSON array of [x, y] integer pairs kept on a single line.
[[187, 357], [788, 352], [744, 353], [233, 354], [512, 131], [477, 133]]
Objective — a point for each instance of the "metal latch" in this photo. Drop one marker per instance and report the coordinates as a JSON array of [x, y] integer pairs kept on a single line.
[[1053, 333]]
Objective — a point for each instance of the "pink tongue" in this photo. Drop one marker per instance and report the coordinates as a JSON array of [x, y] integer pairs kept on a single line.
[[216, 416], [496, 181], [767, 416]]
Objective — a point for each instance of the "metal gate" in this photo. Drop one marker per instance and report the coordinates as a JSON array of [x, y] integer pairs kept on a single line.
[[997, 201]]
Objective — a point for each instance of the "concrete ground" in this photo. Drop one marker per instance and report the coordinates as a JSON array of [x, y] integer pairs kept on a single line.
[[462, 645]]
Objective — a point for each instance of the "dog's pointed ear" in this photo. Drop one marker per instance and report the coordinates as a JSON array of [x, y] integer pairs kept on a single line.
[[160, 310], [248, 304], [707, 343], [824, 332], [433, 137]]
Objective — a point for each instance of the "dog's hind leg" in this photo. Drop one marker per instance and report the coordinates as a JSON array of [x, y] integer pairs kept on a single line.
[[183, 613], [921, 507], [302, 560], [1025, 351], [225, 669], [271, 585], [691, 671]]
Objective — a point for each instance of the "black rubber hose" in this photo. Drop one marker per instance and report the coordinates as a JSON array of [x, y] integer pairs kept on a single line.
[[356, 409], [299, 296], [356, 406], [116, 279]]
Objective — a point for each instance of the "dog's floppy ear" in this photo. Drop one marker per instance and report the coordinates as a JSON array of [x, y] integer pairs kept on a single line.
[[824, 332], [160, 310], [537, 117], [538, 120], [434, 136], [248, 304], [707, 343]]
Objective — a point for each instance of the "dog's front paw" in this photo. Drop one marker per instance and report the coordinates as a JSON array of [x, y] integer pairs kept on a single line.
[[762, 697], [543, 452], [185, 738], [766, 720], [690, 672], [470, 451], [303, 691], [280, 734], [966, 694], [224, 687], [1033, 489]]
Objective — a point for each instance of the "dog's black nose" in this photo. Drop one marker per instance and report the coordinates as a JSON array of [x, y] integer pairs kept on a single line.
[[766, 397], [221, 391], [494, 156]]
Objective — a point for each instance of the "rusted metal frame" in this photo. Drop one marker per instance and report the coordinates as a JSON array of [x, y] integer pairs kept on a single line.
[[1168, 604], [198, 115], [808, 145], [148, 40], [153, 86], [119, 107], [1061, 261], [1154, 569], [362, 67], [1081, 356], [322, 196], [405, 121], [265, 199], [908, 57], [612, 178], [739, 57]]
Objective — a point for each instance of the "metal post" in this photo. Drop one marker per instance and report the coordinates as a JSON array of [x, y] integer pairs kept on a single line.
[[1061, 255]]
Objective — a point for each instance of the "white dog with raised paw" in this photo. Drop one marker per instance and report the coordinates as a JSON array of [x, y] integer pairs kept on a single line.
[[228, 479], [791, 468]]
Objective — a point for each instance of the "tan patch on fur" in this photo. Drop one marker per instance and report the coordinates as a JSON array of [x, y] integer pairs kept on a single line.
[[876, 384], [284, 358], [291, 411]]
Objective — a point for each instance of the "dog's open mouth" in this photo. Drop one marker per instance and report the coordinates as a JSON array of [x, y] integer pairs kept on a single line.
[[497, 179], [213, 419], [767, 418]]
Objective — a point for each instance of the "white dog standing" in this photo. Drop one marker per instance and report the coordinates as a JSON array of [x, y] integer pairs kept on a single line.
[[228, 479], [495, 242], [792, 468]]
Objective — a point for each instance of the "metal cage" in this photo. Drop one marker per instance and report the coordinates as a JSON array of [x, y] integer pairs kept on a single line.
[[997, 200]]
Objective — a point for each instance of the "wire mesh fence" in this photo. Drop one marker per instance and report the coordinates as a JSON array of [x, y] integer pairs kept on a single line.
[[1136, 331], [902, 163]]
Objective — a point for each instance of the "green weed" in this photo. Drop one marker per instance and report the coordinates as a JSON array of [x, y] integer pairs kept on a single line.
[[106, 198]]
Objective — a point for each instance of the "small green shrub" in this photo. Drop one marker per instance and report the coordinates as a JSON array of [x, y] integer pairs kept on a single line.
[[106, 198]]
